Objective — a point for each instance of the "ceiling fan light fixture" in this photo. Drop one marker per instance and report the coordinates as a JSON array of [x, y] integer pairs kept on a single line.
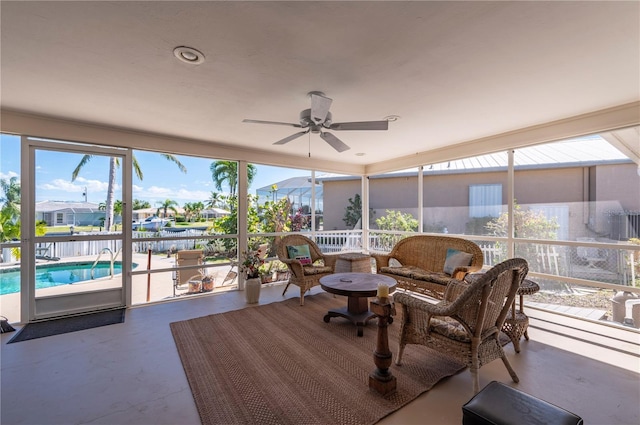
[[188, 55]]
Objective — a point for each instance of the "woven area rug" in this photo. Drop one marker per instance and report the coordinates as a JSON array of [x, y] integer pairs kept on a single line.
[[282, 364]]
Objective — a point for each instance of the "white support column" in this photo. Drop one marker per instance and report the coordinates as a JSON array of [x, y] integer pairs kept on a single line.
[[243, 211], [510, 206], [27, 231], [421, 199], [127, 243], [312, 207], [365, 212]]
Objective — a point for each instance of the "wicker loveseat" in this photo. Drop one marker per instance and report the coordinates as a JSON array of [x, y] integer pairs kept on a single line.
[[418, 262]]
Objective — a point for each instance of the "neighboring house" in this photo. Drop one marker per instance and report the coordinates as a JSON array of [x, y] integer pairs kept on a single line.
[[214, 213], [69, 213], [585, 188]]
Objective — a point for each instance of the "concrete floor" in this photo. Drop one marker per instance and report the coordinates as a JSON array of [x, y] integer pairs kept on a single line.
[[130, 373]]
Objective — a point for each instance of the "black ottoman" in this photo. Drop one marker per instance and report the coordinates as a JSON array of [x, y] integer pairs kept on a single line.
[[499, 404]]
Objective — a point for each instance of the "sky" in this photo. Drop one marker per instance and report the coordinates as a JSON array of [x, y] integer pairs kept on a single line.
[[161, 178]]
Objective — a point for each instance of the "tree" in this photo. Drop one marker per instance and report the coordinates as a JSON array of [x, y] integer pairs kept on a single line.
[[114, 163], [10, 199], [228, 225], [197, 209], [10, 214], [527, 224], [188, 210], [275, 216], [227, 171], [10, 209], [398, 221], [165, 205], [353, 212], [139, 205], [214, 200]]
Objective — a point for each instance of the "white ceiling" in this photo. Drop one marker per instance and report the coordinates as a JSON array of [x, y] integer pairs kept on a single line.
[[453, 71]]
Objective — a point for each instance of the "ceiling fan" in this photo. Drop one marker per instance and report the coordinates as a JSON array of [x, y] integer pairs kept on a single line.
[[318, 119]]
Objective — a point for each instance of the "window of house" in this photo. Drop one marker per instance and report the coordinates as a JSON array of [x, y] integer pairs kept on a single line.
[[485, 200], [59, 218]]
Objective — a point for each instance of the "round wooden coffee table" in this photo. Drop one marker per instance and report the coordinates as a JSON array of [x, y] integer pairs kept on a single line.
[[357, 287]]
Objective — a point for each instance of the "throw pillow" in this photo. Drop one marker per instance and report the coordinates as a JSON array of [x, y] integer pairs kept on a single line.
[[456, 259], [300, 252], [394, 263]]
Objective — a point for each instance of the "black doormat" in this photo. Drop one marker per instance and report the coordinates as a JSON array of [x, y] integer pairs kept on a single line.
[[68, 324]]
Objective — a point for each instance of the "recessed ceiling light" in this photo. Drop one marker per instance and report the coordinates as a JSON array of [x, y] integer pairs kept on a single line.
[[392, 118], [360, 154], [188, 55]]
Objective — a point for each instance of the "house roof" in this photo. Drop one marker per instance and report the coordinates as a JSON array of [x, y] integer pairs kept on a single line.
[[76, 207], [576, 152]]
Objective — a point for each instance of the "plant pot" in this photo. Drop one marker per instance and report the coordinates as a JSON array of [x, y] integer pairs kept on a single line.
[[207, 284], [252, 290]]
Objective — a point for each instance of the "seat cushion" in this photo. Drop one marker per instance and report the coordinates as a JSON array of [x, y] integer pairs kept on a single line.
[[433, 277], [406, 271], [449, 328], [311, 270]]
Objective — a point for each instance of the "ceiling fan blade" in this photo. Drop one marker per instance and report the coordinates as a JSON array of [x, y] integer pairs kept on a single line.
[[272, 122], [335, 143], [290, 138], [319, 108], [361, 125]]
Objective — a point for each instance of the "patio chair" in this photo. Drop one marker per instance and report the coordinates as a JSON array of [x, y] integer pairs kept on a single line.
[[305, 271], [466, 324], [43, 253], [189, 257]]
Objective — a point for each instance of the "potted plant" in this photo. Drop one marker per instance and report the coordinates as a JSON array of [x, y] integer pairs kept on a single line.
[[250, 262]]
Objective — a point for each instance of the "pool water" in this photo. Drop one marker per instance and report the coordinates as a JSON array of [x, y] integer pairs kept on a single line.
[[57, 274]]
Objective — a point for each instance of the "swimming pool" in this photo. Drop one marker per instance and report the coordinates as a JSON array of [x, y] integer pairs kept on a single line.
[[48, 275]]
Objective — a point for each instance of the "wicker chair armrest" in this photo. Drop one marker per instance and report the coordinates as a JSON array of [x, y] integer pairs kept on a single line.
[[295, 266], [442, 308], [382, 260], [330, 260]]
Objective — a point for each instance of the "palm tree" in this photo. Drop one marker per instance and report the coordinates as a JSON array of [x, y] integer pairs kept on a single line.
[[227, 171], [165, 205], [197, 208], [113, 164], [138, 204], [214, 200], [10, 200], [188, 210]]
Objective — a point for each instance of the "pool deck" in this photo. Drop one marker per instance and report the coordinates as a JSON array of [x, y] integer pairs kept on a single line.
[[160, 287]]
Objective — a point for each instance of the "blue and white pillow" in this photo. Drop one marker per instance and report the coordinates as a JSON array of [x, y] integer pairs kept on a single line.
[[456, 259]]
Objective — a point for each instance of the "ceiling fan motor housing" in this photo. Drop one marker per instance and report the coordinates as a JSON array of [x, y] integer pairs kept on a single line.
[[307, 121]]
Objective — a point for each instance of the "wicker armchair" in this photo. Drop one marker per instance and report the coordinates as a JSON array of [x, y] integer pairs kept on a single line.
[[305, 276], [466, 324]]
